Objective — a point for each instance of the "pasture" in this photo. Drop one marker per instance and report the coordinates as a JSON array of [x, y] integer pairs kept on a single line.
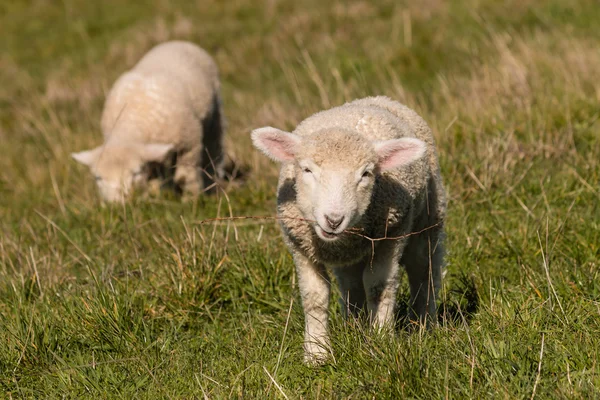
[[160, 298]]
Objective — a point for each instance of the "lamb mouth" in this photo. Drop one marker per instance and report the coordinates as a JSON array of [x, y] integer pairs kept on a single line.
[[328, 236]]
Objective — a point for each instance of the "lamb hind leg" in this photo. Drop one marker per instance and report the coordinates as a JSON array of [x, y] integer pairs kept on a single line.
[[212, 143], [381, 283], [351, 287], [423, 260]]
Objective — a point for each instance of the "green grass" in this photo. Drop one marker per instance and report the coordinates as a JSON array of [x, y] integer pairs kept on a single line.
[[145, 301]]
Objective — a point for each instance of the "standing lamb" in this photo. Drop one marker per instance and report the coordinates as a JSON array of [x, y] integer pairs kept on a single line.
[[366, 169], [167, 107]]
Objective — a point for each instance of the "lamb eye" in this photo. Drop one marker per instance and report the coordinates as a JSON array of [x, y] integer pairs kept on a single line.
[[367, 174], [306, 170]]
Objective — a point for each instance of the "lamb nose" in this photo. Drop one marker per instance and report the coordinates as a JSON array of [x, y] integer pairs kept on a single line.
[[334, 220]]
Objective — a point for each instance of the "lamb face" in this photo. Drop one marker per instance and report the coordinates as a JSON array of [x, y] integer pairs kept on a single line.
[[119, 168], [335, 171]]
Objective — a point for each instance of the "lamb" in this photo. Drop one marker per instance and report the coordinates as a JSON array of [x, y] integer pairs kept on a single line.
[[365, 170], [161, 119]]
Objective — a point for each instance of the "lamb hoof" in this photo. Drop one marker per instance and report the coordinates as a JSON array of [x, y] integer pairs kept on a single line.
[[315, 355]]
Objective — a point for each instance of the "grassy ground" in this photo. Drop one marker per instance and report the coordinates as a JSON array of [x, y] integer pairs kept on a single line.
[[145, 301]]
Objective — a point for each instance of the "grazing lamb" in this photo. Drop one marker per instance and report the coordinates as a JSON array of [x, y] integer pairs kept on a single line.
[[164, 111], [366, 169]]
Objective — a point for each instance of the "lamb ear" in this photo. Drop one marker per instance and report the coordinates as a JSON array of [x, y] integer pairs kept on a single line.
[[156, 152], [87, 157], [398, 152], [276, 144]]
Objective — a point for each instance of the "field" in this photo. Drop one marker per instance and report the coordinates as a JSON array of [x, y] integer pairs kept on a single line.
[[150, 300]]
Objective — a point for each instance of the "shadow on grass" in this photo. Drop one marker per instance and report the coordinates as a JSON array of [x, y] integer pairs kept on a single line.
[[459, 306]]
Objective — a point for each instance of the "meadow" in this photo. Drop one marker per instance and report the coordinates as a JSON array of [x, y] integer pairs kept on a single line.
[[156, 299]]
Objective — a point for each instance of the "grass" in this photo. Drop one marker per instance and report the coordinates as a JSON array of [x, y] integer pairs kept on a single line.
[[146, 301]]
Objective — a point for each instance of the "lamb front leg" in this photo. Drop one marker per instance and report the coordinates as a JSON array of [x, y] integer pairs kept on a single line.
[[314, 290], [188, 175], [380, 279]]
